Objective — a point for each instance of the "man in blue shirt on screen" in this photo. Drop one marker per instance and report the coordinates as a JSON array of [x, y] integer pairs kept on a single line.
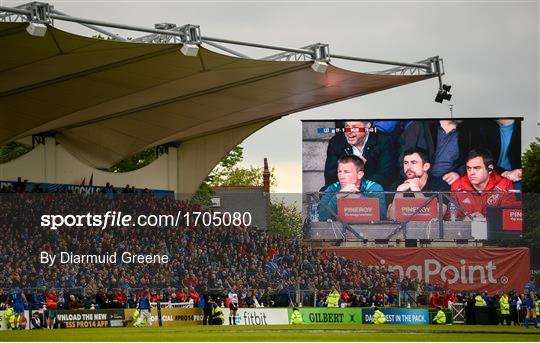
[[350, 173]]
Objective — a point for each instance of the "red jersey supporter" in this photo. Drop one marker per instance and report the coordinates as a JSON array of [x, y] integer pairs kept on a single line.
[[194, 295], [191, 280], [181, 296], [481, 186], [435, 300], [448, 297], [120, 297], [345, 297], [272, 251]]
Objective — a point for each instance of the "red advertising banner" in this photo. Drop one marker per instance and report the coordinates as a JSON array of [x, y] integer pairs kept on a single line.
[[458, 269], [358, 210], [405, 208], [512, 219]]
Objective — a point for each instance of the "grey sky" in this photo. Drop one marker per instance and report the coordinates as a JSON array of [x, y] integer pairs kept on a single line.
[[490, 49]]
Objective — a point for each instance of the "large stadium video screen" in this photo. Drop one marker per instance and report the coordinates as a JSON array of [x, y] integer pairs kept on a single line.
[[430, 179]]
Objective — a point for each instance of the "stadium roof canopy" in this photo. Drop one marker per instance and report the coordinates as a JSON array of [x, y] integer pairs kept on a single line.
[[107, 99]]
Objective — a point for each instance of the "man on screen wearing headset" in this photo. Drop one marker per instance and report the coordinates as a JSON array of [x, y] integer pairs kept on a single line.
[[482, 186]]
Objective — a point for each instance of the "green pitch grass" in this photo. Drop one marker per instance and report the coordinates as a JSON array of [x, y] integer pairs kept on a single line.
[[314, 333]]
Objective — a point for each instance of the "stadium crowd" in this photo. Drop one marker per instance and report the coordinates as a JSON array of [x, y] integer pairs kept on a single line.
[[264, 269], [201, 258]]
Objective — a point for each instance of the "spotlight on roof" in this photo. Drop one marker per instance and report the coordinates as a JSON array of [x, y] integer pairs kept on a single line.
[[37, 30], [190, 49], [191, 39], [443, 94], [321, 57], [319, 67]]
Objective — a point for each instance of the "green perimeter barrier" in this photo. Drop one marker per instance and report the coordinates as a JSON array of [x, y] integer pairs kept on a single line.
[[354, 315], [330, 315]]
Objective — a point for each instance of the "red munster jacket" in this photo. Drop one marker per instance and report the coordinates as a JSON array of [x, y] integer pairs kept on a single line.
[[478, 201]]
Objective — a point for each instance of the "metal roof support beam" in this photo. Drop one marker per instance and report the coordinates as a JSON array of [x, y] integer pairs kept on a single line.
[[432, 65], [224, 48], [97, 29]]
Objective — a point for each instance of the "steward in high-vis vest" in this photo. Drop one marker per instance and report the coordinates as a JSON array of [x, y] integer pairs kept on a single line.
[[505, 309], [440, 318], [332, 300], [136, 316], [9, 318], [296, 317], [479, 301], [378, 316], [217, 315]]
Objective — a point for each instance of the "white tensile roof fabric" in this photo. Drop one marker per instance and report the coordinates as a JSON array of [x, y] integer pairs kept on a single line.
[[106, 100]]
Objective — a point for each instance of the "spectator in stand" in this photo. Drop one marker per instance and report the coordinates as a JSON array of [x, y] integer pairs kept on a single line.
[[449, 298], [72, 303], [345, 298], [102, 300], [131, 302], [120, 298], [488, 300], [3, 300], [182, 295], [252, 301], [436, 300], [193, 295], [266, 299]]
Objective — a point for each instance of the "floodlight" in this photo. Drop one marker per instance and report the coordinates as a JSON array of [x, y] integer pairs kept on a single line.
[[37, 30], [443, 94], [439, 97], [190, 49], [319, 67]]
